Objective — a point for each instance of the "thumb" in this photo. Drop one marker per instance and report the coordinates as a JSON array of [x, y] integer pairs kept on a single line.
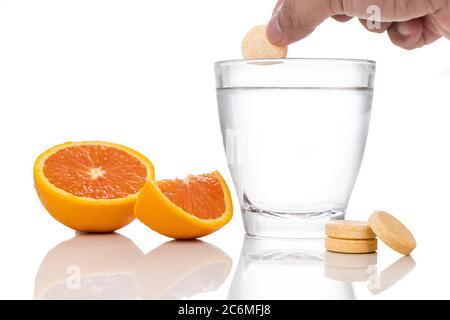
[[295, 19]]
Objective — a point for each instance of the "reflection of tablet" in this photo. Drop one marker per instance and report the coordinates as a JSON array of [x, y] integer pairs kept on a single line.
[[362, 260], [346, 274], [348, 267], [392, 274]]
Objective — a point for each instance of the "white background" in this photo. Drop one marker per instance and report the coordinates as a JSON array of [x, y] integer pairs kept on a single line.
[[140, 73]]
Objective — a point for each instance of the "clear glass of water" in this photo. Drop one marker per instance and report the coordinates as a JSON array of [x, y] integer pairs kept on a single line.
[[294, 132]]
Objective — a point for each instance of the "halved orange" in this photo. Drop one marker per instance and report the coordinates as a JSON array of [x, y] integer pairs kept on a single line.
[[91, 186], [185, 208]]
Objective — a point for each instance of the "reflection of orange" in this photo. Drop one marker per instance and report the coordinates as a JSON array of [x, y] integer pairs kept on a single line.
[[91, 186], [185, 208], [181, 269], [104, 262]]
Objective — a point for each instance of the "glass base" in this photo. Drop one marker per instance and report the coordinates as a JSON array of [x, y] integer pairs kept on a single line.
[[288, 225]]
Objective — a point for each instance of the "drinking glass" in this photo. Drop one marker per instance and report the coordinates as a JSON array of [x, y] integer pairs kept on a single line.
[[294, 132]]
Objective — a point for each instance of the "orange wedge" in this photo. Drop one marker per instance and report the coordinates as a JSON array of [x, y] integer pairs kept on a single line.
[[91, 186], [185, 208]]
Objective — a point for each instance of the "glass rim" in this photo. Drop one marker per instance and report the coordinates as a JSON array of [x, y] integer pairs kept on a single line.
[[234, 62]]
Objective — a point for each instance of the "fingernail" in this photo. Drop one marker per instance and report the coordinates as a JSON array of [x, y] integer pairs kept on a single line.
[[403, 30], [273, 30]]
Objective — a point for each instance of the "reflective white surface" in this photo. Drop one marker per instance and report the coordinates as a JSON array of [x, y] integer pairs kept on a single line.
[[285, 269], [111, 266], [140, 73]]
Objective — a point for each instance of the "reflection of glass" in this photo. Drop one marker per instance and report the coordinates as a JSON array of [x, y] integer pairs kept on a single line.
[[181, 269], [89, 266], [294, 131], [284, 269]]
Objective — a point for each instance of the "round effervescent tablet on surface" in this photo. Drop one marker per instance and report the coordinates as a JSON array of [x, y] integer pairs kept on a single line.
[[349, 229], [392, 232], [256, 45], [350, 246]]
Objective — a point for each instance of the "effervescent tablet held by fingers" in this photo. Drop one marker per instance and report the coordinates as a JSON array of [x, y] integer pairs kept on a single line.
[[256, 45]]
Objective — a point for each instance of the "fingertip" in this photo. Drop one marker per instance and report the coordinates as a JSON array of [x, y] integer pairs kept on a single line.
[[342, 17], [407, 34], [274, 32]]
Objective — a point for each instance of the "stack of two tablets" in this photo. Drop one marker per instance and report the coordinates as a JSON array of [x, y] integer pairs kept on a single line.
[[348, 236]]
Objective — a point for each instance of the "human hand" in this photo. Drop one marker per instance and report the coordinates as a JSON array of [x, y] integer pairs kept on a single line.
[[410, 24]]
